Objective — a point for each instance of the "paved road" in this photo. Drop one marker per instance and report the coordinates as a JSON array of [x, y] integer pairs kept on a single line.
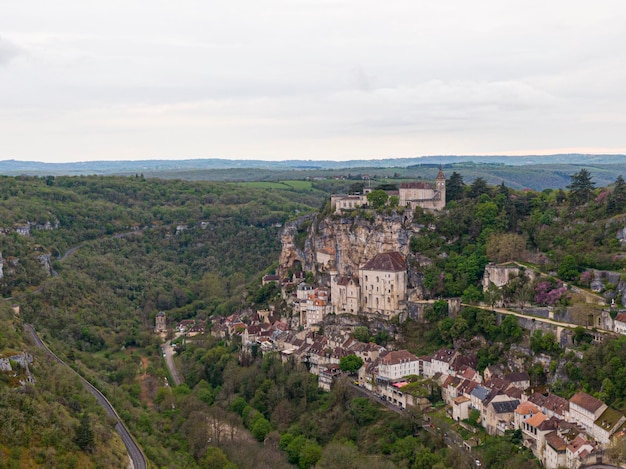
[[134, 451], [168, 354]]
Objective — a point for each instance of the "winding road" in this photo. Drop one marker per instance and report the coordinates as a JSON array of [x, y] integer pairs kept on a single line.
[[138, 460]]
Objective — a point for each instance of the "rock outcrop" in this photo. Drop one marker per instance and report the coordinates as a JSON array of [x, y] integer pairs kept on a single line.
[[353, 240]]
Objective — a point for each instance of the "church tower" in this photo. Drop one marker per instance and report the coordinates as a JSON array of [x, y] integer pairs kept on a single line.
[[440, 186], [160, 322]]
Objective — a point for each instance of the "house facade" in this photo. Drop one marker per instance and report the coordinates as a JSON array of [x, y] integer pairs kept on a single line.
[[345, 293], [383, 283], [585, 410], [398, 364]]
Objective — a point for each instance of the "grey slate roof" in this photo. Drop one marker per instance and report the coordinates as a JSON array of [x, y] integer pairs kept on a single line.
[[505, 407], [481, 392]]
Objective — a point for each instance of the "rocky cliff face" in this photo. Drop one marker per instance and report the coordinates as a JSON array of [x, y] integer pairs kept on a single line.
[[354, 240]]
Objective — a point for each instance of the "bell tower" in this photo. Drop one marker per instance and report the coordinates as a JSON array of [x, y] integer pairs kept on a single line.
[[440, 186]]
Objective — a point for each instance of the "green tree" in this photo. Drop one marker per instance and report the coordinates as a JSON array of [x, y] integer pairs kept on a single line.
[[454, 187], [260, 428], [437, 311], [84, 434], [581, 336], [616, 201], [350, 363], [363, 411], [568, 268], [377, 198], [543, 342], [309, 455], [215, 459], [477, 188], [581, 187], [493, 295], [343, 455], [361, 333]]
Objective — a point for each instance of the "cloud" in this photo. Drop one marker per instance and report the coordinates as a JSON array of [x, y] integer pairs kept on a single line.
[[8, 51]]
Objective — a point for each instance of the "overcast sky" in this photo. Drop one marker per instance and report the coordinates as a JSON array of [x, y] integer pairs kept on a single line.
[[309, 79]]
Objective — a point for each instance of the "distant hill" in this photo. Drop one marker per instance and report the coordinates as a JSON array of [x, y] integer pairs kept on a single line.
[[534, 172]]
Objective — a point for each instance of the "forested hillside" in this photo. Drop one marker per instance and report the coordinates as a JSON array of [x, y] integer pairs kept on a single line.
[[198, 250], [142, 246]]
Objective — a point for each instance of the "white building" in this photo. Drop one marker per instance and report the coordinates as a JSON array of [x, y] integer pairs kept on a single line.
[[585, 410], [383, 284], [398, 364]]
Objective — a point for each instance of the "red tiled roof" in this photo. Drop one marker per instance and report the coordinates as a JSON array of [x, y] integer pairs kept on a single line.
[[387, 262], [526, 408], [551, 402], [399, 356], [556, 442], [586, 401], [536, 419]]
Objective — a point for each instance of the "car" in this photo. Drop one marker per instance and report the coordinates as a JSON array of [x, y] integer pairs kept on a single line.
[[477, 462]]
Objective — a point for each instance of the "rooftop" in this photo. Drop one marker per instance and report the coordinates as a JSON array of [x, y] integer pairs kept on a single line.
[[609, 419], [527, 408], [586, 401], [503, 407], [536, 419], [397, 357], [387, 262], [556, 442]]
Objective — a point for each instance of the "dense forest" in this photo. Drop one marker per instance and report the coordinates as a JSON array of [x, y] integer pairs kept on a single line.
[[198, 250]]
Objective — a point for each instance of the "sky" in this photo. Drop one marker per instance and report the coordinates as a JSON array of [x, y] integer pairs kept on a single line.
[[309, 79]]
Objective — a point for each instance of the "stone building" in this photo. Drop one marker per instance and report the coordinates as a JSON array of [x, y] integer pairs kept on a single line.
[[383, 284], [396, 365], [339, 203], [345, 293], [501, 274], [160, 322], [422, 194], [411, 194]]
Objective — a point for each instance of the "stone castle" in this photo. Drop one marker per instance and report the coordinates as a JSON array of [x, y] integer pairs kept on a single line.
[[411, 194]]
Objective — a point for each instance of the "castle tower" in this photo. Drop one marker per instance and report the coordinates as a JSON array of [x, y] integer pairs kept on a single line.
[[160, 323], [440, 186]]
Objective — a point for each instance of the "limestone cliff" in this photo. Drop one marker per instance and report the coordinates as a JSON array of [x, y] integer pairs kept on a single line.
[[352, 240]]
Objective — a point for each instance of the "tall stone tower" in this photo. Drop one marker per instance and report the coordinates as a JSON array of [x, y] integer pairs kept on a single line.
[[160, 323], [440, 186]]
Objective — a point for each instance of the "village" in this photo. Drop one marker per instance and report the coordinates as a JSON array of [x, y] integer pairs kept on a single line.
[[317, 328]]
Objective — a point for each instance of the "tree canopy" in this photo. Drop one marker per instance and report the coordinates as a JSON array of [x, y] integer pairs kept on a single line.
[[581, 187]]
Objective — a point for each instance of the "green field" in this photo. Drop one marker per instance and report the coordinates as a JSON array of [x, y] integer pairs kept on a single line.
[[298, 185]]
